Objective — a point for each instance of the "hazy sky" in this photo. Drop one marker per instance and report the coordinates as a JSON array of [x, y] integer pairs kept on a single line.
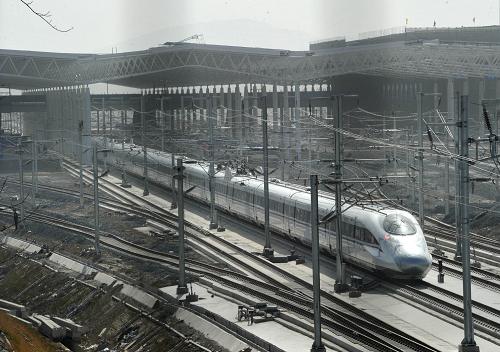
[[100, 25]]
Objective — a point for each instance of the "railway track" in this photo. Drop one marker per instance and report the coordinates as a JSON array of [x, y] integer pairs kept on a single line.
[[276, 293], [483, 324], [480, 277], [375, 332]]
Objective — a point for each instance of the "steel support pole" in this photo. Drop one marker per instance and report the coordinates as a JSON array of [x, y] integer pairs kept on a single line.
[[447, 179], [268, 251], [414, 164], [458, 189], [211, 170], [468, 344], [104, 135], [395, 150], [33, 170], [163, 122], [384, 170], [282, 137], [173, 204], [317, 344], [420, 158], [182, 287], [144, 149], [21, 181], [340, 281], [96, 199], [80, 156], [408, 173], [123, 134], [36, 164]]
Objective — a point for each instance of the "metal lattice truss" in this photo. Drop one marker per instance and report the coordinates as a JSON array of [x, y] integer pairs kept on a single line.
[[26, 69], [194, 64]]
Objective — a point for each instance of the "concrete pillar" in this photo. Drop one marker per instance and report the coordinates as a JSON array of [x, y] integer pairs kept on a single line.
[[183, 111], [188, 108], [229, 113], [212, 96], [74, 123], [298, 123], [87, 141], [197, 109], [246, 112], [481, 92], [286, 118], [465, 86], [215, 103], [275, 108], [237, 131], [451, 98], [263, 93], [435, 89], [62, 111], [282, 141], [64, 116], [329, 111], [255, 104], [222, 115]]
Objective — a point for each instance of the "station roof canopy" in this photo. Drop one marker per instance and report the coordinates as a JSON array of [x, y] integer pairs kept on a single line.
[[200, 64]]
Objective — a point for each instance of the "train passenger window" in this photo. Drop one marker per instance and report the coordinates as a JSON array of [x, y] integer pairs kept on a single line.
[[347, 229], [304, 215], [259, 200], [397, 224], [358, 233]]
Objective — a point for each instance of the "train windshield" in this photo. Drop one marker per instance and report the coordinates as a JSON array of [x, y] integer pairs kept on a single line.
[[397, 224]]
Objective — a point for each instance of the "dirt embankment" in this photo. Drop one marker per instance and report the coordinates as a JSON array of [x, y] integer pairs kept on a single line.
[[16, 336]]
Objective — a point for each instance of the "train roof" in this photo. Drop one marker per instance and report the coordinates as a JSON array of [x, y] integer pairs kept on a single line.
[[280, 188]]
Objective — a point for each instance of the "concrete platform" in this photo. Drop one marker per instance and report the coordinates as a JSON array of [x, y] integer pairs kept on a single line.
[[479, 294], [270, 331], [72, 264], [19, 244]]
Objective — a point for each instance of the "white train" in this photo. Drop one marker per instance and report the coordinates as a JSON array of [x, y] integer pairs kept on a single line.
[[381, 239]]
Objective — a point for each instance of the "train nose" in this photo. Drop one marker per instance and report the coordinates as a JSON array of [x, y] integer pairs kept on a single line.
[[414, 266]]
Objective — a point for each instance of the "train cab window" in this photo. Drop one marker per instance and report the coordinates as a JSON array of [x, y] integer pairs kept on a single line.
[[368, 237], [397, 224]]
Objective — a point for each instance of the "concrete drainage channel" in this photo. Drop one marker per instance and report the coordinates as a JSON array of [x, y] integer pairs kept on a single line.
[[229, 335]]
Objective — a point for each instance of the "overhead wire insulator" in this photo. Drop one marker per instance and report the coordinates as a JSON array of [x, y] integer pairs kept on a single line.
[[430, 136], [487, 120]]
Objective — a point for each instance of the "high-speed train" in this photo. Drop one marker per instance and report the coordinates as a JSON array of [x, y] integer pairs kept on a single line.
[[389, 241]]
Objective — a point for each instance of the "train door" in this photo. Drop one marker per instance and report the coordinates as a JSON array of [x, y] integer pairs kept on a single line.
[[254, 207], [290, 213], [283, 213], [229, 194]]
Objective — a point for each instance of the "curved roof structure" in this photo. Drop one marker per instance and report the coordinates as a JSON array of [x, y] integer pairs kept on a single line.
[[199, 64]]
